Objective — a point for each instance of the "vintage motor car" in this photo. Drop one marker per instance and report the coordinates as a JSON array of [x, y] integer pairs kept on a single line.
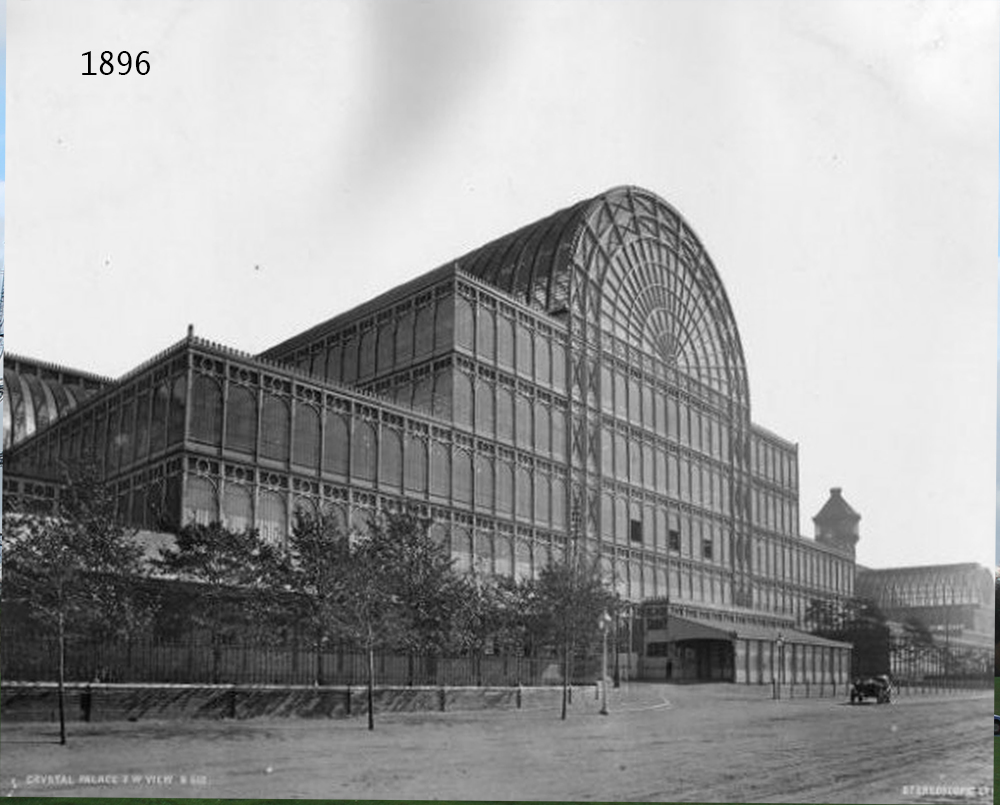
[[878, 688]]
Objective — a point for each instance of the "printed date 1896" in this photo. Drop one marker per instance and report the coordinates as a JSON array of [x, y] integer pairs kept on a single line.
[[124, 63]]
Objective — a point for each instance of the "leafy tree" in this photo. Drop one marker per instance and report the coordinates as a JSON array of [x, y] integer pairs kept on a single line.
[[571, 596], [74, 568], [237, 574], [319, 556], [822, 615], [389, 587]]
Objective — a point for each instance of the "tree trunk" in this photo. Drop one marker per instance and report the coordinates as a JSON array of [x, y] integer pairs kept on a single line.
[[565, 676], [319, 660], [62, 680], [371, 685]]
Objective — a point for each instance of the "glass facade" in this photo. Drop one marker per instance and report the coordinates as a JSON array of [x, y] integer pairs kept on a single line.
[[581, 379]]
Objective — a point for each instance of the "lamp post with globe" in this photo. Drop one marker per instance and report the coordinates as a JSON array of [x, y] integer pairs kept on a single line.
[[604, 624]]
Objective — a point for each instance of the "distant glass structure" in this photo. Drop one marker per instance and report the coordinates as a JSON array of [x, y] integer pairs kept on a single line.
[[579, 380]]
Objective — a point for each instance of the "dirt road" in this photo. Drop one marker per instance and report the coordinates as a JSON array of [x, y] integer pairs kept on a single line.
[[660, 743]]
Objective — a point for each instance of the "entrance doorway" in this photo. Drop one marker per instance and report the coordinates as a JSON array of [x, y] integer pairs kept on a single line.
[[704, 660]]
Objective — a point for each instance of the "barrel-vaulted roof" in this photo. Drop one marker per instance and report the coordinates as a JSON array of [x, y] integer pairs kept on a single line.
[[624, 260], [629, 261], [37, 393]]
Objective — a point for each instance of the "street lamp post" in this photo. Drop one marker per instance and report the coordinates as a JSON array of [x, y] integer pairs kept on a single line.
[[605, 622], [618, 677], [780, 645]]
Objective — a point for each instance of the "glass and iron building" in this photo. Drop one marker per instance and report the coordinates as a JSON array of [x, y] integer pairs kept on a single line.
[[579, 380]]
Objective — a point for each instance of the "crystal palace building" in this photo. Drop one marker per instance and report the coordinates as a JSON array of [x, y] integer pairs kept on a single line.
[[580, 379]]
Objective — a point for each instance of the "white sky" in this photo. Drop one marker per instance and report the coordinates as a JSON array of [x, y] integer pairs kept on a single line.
[[839, 160]]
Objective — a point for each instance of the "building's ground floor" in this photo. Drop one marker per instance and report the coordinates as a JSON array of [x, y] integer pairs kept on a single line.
[[684, 649]]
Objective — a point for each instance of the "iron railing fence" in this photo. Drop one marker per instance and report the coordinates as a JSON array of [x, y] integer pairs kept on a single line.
[[27, 658]]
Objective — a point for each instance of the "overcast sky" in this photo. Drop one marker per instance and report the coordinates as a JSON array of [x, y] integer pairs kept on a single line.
[[838, 160]]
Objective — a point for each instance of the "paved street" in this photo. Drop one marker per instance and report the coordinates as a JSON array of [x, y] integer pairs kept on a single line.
[[703, 743]]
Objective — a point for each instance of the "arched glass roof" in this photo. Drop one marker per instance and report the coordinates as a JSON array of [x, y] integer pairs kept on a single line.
[[36, 394], [629, 261]]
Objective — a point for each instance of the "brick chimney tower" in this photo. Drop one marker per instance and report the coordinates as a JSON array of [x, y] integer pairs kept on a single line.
[[836, 524]]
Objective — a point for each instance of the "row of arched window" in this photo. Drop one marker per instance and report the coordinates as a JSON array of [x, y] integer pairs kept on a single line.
[[632, 399], [392, 344], [650, 466], [774, 513], [773, 463], [499, 339], [497, 411], [124, 432]]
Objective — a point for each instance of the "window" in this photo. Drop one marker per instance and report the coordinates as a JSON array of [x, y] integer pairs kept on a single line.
[[415, 464], [504, 487], [522, 560], [523, 421], [271, 517], [441, 405], [424, 341], [200, 502], [335, 444], [707, 549], [542, 438], [349, 371], [237, 507], [461, 550], [635, 530], [305, 446], [241, 419], [674, 537], [464, 323], [505, 414], [541, 499], [523, 493], [444, 327], [274, 435], [423, 393], [366, 360], [178, 400], [363, 446], [505, 342], [542, 361], [142, 427], [558, 367], [386, 346], [484, 407], [558, 435], [404, 338], [334, 364], [462, 482], [621, 395], [440, 474], [390, 465], [484, 482], [524, 351], [463, 399], [486, 335]]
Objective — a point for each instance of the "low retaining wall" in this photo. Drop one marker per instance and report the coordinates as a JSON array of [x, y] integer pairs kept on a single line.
[[38, 702]]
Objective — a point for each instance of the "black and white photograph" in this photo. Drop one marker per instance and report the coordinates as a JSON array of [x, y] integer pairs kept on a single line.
[[508, 400]]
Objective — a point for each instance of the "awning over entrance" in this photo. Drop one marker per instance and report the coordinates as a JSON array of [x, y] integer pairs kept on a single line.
[[687, 629]]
